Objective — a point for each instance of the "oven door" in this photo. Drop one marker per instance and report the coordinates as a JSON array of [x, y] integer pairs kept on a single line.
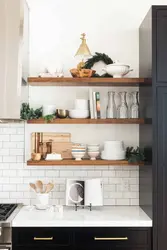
[[5, 238], [5, 246]]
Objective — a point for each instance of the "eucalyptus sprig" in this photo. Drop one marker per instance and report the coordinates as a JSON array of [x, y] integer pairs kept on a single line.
[[28, 113], [49, 118]]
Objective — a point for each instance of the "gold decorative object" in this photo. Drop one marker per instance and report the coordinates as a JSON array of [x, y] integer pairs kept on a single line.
[[83, 51]]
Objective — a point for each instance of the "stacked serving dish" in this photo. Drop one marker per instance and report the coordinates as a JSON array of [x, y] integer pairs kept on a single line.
[[81, 109], [93, 151], [78, 151], [113, 150]]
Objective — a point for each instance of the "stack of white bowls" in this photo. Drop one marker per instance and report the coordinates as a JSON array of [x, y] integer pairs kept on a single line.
[[78, 151], [93, 151], [81, 109], [113, 150]]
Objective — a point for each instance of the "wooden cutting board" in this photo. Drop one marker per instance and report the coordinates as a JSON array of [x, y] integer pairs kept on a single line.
[[61, 143]]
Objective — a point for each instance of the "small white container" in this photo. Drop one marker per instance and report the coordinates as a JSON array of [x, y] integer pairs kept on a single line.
[[42, 199], [49, 109], [81, 104]]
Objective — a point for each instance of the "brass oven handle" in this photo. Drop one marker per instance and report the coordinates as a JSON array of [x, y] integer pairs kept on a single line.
[[37, 238], [117, 238]]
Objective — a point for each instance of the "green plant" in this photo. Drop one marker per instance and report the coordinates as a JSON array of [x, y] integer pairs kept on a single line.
[[134, 155], [28, 113], [49, 118]]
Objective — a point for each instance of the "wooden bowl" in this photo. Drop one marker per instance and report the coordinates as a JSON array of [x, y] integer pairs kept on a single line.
[[75, 73], [86, 72]]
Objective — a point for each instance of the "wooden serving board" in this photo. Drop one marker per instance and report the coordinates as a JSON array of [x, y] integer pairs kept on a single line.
[[42, 137]]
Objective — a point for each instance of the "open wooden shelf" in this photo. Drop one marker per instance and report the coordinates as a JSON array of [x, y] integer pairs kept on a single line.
[[92, 82], [92, 121], [72, 162]]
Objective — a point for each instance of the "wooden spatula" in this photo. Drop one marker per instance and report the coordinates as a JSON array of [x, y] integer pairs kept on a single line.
[[49, 187], [39, 186], [32, 185]]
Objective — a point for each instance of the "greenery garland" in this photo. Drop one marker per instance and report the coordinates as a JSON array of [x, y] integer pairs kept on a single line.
[[97, 58]]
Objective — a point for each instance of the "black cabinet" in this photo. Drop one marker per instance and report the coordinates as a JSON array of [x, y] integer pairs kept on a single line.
[[161, 167], [81, 238], [161, 42]]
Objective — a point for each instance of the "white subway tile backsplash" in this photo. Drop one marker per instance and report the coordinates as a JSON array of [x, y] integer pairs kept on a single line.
[[9, 131], [9, 187], [17, 152], [52, 173], [16, 180], [16, 166], [9, 145], [16, 195], [94, 173], [122, 173], [66, 173], [16, 138], [4, 195], [9, 159], [122, 202], [20, 159], [10, 173], [134, 202], [4, 137], [120, 183]]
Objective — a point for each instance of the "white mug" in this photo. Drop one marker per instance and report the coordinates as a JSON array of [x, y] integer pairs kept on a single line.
[[49, 110]]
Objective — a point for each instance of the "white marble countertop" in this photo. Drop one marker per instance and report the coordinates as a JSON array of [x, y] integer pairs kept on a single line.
[[107, 216]]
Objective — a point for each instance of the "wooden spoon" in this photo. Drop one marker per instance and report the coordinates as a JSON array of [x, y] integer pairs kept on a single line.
[[49, 187], [39, 186], [32, 185]]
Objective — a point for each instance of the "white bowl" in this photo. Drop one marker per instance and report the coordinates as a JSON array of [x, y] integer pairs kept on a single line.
[[113, 156], [78, 155], [117, 70], [93, 155], [93, 149], [77, 113]]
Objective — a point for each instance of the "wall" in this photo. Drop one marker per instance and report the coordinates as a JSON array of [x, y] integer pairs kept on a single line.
[[120, 183], [111, 27]]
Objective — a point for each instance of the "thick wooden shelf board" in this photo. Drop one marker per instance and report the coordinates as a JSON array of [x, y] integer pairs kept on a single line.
[[91, 121], [93, 81], [71, 162]]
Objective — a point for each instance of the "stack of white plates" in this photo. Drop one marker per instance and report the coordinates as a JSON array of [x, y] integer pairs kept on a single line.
[[113, 150]]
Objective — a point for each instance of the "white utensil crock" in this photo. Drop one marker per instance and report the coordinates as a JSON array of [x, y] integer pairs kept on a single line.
[[42, 199]]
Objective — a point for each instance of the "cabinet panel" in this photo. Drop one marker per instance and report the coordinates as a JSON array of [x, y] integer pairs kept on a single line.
[[161, 194], [36, 237], [161, 47], [113, 237]]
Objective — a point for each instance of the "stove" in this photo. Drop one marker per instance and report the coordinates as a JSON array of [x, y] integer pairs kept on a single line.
[[6, 210], [7, 214]]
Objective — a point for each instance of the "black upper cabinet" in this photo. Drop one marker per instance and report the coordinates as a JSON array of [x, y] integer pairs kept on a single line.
[[161, 45]]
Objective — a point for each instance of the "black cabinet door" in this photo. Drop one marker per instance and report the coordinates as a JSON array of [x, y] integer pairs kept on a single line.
[[160, 218], [161, 45]]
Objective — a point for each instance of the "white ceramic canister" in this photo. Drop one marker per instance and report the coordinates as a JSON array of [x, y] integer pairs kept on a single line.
[[81, 104], [49, 109]]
